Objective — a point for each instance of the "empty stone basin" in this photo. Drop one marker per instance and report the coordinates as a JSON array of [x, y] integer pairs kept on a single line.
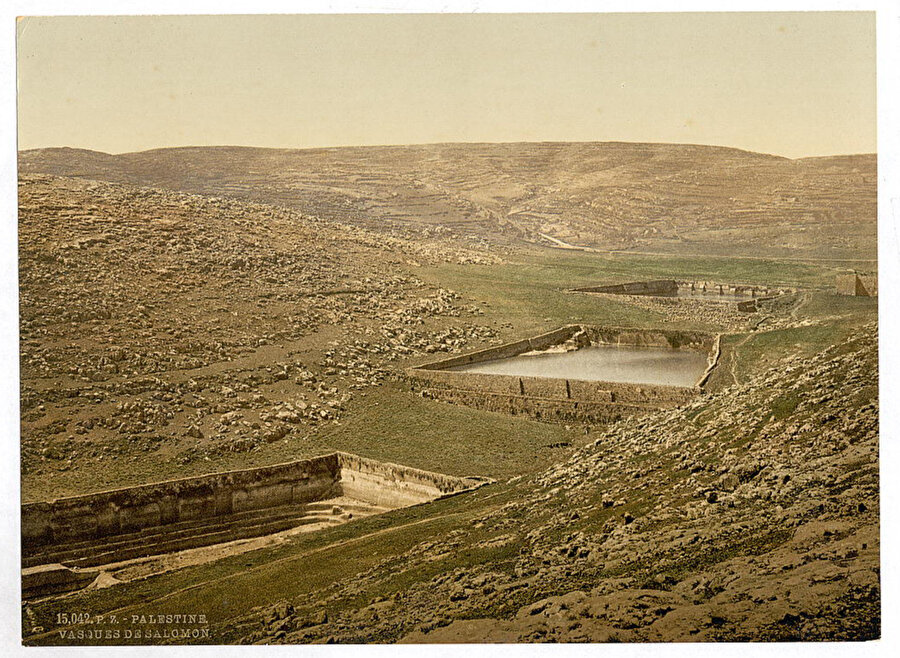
[[714, 295], [122, 525], [732, 293]]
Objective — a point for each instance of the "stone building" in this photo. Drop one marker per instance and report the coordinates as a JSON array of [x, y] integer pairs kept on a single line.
[[857, 285]]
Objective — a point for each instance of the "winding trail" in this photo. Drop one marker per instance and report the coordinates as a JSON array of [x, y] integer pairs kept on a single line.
[[804, 300], [732, 357], [560, 244]]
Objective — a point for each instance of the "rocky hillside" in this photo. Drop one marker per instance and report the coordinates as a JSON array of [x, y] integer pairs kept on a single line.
[[751, 514], [169, 328], [669, 197]]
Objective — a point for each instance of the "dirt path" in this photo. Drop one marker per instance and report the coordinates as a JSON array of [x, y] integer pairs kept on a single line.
[[804, 300], [796, 321], [733, 357], [560, 244]]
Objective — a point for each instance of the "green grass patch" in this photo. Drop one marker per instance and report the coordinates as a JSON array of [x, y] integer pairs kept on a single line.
[[785, 404], [391, 423]]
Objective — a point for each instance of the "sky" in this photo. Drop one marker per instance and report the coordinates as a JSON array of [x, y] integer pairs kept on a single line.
[[793, 84]]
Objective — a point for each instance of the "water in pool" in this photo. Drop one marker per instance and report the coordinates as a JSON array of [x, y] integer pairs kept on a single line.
[[604, 363]]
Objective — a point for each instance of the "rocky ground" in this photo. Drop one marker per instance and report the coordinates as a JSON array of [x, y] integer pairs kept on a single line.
[[162, 325], [751, 514]]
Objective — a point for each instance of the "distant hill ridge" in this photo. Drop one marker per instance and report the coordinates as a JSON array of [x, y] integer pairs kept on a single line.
[[618, 195]]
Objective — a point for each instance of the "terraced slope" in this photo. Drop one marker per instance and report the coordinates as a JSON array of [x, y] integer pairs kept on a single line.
[[165, 331], [669, 197]]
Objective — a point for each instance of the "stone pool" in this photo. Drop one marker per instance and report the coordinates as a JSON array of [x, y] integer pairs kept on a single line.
[[606, 363]]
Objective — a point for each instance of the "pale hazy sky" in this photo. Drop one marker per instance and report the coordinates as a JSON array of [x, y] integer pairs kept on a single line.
[[795, 84]]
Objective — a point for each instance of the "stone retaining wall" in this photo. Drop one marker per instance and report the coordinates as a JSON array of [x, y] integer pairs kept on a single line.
[[731, 289], [857, 285], [537, 343], [393, 485], [663, 287], [561, 399], [730, 292], [552, 388], [220, 494], [693, 340], [554, 410]]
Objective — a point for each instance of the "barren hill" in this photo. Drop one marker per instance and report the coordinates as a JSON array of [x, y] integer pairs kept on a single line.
[[673, 198]]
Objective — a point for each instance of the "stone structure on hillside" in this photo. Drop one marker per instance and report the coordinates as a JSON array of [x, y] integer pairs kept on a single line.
[[558, 399], [742, 297], [66, 541], [857, 284]]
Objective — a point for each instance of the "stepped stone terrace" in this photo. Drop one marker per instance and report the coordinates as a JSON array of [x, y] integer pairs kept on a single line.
[[66, 543]]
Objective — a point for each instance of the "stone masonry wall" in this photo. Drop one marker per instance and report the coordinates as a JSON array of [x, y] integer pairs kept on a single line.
[[857, 285], [546, 387], [540, 342], [664, 287], [552, 398], [543, 408], [134, 508], [126, 510], [393, 485]]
